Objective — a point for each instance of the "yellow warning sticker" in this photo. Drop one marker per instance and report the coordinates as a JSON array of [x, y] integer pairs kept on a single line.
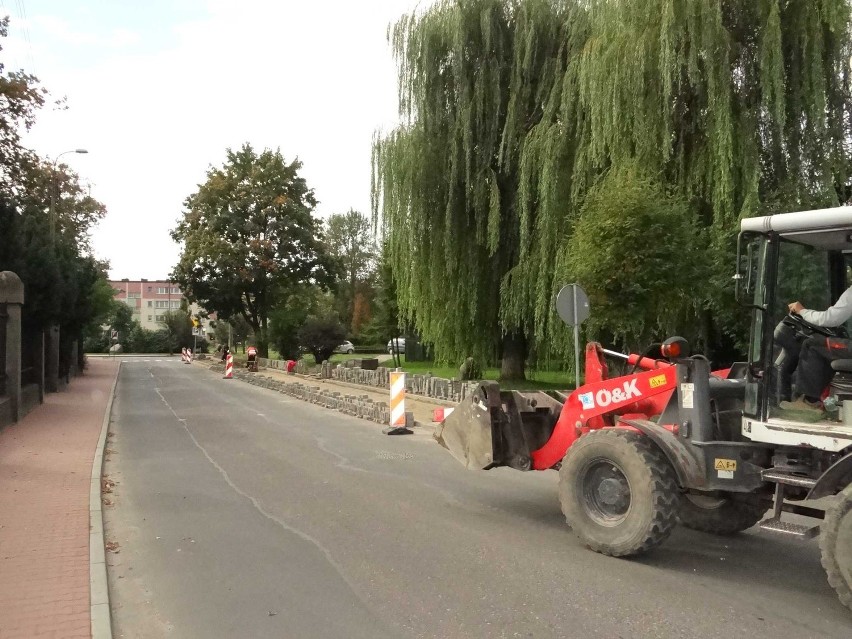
[[656, 382], [725, 464]]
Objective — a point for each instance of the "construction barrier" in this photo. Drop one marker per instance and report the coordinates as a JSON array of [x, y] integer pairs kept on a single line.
[[183, 355], [397, 399], [229, 367], [398, 422], [189, 356], [440, 414]]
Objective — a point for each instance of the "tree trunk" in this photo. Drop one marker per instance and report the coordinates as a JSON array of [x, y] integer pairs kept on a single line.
[[262, 343], [514, 357]]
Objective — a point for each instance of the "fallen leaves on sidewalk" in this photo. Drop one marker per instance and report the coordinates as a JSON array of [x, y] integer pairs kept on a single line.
[[112, 546]]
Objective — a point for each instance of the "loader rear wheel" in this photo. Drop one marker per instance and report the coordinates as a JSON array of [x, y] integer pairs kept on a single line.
[[836, 546], [719, 515], [619, 493]]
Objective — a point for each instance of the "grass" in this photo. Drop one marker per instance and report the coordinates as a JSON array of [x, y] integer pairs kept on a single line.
[[536, 380]]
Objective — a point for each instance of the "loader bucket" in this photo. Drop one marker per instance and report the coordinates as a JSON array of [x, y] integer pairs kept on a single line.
[[499, 428]]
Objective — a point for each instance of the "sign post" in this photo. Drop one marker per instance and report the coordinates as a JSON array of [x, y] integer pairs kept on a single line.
[[572, 305]]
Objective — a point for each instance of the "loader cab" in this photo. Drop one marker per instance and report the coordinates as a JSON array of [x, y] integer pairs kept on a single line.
[[805, 257]]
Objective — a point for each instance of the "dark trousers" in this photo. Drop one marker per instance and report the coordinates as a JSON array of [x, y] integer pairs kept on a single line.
[[814, 371]]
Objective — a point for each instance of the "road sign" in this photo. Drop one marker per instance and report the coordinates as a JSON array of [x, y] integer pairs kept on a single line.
[[572, 305], [113, 335]]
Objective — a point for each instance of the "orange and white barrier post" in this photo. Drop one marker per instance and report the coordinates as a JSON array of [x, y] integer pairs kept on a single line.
[[397, 405], [183, 354], [229, 367], [397, 399], [189, 356]]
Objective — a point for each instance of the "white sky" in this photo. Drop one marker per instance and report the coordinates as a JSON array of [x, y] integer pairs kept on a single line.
[[157, 90]]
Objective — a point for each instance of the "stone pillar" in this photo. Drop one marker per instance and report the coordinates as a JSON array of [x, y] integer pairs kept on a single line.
[[11, 299], [51, 359]]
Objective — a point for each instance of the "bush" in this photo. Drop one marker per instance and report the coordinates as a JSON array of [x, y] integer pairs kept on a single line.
[[320, 336]]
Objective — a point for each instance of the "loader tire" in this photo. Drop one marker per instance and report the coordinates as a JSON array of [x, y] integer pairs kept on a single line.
[[836, 546], [619, 493], [719, 515]]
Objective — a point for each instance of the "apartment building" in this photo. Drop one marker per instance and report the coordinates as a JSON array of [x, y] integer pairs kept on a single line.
[[151, 299]]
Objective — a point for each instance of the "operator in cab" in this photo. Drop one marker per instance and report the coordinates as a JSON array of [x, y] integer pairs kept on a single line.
[[818, 351]]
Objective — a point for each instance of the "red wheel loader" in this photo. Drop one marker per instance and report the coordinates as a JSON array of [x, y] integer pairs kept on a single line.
[[672, 441]]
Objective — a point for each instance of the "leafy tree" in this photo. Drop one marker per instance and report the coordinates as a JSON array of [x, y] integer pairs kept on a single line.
[[384, 323], [514, 110], [64, 285], [350, 240], [121, 319], [249, 237], [636, 300], [178, 325], [473, 79], [290, 315], [20, 99], [737, 108], [320, 336]]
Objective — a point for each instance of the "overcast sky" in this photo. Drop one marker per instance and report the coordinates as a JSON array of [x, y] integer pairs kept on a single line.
[[157, 90]]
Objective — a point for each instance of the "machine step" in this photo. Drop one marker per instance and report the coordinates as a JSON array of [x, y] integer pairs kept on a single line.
[[788, 528], [781, 477]]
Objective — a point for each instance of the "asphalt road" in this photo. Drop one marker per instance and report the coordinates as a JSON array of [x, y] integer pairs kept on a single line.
[[240, 512]]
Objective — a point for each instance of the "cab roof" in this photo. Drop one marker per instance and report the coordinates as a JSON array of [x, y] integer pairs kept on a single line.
[[829, 229]]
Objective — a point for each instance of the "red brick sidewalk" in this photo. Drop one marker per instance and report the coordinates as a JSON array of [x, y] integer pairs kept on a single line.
[[45, 477]]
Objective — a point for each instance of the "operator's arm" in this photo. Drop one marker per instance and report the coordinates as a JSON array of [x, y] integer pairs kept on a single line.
[[833, 316]]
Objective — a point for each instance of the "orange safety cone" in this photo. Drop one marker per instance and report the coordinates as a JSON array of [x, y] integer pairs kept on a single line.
[[229, 367]]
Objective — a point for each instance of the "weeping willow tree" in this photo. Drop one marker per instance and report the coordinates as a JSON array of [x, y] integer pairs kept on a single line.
[[514, 110], [473, 78], [739, 107]]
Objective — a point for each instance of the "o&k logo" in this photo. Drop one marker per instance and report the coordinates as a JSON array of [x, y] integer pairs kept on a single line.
[[604, 397]]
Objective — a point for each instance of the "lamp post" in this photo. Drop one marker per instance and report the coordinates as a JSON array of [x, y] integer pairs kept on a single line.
[[53, 193]]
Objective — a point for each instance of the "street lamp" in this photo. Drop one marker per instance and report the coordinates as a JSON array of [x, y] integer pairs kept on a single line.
[[53, 193]]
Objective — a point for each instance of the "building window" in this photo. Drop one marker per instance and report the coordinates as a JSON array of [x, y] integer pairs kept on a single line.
[[149, 289], [150, 303], [162, 303], [134, 296], [149, 318], [162, 290], [161, 318], [130, 302], [175, 304]]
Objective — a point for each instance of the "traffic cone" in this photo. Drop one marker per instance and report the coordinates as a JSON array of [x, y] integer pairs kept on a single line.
[[229, 367]]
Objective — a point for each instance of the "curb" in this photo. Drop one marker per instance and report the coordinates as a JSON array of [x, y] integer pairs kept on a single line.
[[98, 585]]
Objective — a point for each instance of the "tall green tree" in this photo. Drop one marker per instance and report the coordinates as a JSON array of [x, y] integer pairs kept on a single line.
[[514, 110], [248, 237], [350, 241], [737, 107], [21, 96], [473, 78]]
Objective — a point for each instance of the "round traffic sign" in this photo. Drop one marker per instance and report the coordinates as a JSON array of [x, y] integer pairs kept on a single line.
[[572, 304]]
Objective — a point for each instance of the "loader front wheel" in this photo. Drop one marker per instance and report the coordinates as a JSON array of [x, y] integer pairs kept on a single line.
[[619, 493], [836, 546], [719, 515]]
